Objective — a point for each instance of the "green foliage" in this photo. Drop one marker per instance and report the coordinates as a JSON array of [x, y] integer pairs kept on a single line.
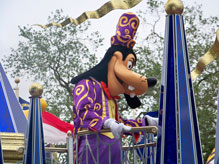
[[54, 56]]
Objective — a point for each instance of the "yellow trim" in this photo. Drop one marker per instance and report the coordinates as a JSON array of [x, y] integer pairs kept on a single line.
[[81, 121], [95, 94], [112, 107], [26, 113], [104, 105], [25, 105]]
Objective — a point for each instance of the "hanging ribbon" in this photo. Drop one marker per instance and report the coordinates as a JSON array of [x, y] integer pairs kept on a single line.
[[103, 10], [205, 60]]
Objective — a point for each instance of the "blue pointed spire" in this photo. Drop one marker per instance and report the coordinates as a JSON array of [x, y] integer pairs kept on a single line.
[[178, 135], [35, 150], [12, 118]]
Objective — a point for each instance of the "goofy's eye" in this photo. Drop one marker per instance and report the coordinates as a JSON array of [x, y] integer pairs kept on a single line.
[[130, 65]]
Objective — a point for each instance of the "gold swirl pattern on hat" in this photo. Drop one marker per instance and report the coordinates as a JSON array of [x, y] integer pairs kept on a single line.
[[103, 10], [128, 36], [207, 58], [126, 31], [118, 32], [134, 24], [124, 21]]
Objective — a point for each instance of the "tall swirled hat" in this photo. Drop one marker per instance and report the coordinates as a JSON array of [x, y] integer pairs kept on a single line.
[[123, 41], [126, 30]]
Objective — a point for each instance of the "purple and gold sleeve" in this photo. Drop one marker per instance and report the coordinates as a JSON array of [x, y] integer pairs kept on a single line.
[[133, 123], [84, 97]]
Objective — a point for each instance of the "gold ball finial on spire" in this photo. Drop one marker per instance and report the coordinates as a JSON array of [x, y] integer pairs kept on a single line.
[[17, 80], [174, 7], [36, 90]]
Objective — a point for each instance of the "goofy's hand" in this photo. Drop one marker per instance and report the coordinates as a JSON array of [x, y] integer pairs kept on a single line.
[[151, 121], [117, 128]]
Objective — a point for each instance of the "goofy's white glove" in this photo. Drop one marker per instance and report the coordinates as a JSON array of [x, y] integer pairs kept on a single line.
[[116, 127], [151, 121]]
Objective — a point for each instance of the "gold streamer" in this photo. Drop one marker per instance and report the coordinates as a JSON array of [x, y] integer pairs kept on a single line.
[[103, 10], [205, 60]]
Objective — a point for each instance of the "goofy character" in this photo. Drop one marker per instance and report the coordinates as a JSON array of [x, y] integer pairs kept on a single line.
[[94, 104]]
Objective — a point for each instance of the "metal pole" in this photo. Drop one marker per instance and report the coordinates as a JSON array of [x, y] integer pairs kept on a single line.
[[17, 81], [70, 147]]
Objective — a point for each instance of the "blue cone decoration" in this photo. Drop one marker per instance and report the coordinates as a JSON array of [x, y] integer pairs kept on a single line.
[[35, 151], [178, 132], [12, 118]]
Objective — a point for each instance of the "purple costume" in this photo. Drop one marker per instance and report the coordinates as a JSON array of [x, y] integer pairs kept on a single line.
[[92, 106]]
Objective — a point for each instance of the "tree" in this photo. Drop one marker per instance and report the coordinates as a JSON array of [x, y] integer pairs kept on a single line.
[[53, 56]]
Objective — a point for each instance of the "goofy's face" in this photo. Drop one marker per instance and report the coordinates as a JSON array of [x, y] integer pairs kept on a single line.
[[121, 78]]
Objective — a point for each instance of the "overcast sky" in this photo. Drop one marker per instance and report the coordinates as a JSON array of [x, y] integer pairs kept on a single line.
[[14, 13]]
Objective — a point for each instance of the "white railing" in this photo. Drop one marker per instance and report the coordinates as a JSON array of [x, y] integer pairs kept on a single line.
[[132, 151]]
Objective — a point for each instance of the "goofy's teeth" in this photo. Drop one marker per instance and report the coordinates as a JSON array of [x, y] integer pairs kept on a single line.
[[131, 88]]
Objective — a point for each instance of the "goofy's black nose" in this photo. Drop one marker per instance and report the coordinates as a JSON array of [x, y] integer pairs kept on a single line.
[[151, 82]]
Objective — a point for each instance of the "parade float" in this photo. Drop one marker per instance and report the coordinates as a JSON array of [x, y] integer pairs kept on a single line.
[[177, 135]]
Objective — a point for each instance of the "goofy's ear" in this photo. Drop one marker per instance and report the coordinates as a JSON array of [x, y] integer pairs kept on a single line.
[[132, 102]]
